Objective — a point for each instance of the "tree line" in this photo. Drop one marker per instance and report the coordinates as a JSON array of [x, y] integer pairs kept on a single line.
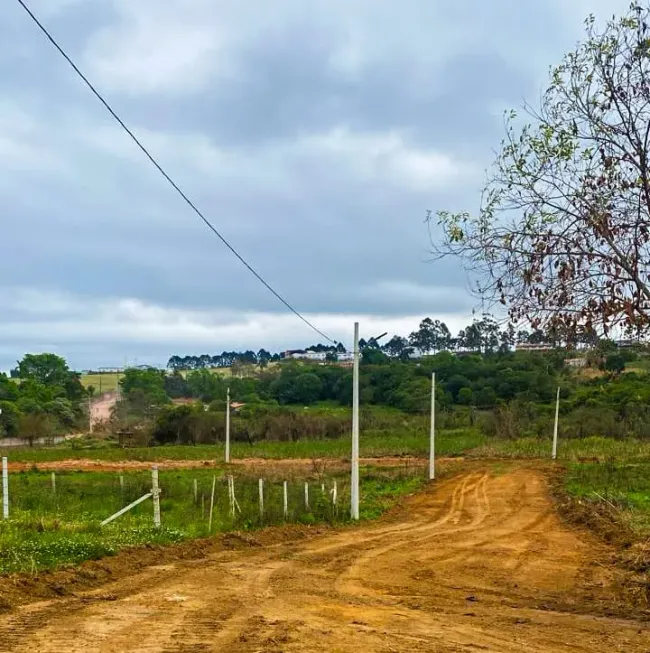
[[483, 335], [42, 397], [472, 380]]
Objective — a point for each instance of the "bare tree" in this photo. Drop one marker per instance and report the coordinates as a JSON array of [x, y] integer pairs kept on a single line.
[[561, 238]]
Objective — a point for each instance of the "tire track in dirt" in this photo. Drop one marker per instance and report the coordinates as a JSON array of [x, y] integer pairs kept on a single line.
[[479, 562], [260, 583]]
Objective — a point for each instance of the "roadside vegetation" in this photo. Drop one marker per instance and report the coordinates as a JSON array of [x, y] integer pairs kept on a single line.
[[622, 484], [51, 528], [43, 398]]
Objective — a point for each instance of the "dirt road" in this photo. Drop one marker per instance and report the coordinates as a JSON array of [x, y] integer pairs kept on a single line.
[[480, 563], [101, 407], [296, 465]]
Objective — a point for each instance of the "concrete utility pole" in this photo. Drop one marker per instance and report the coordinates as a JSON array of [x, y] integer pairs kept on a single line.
[[90, 414], [432, 434], [557, 418], [228, 425], [354, 483]]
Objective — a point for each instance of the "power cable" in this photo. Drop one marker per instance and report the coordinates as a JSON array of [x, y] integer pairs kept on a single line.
[[160, 169]]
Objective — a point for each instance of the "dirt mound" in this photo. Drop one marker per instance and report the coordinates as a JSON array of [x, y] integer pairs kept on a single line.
[[477, 562]]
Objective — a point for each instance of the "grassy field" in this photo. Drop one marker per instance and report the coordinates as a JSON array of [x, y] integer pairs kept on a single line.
[[574, 450], [448, 443], [106, 382], [624, 485], [641, 366], [50, 527]]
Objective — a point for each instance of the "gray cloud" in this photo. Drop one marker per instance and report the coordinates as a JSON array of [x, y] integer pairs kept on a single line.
[[315, 136]]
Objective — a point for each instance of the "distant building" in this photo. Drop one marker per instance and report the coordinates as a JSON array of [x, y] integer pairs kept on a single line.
[[291, 353], [301, 354], [343, 356], [314, 355], [537, 346]]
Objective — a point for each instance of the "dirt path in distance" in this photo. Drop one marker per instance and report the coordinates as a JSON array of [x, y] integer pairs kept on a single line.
[[101, 408], [480, 562]]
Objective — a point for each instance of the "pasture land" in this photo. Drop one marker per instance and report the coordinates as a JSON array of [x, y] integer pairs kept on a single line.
[[53, 525], [105, 382], [569, 450], [448, 443]]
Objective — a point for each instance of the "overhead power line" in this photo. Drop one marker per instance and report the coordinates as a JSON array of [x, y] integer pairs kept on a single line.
[[161, 170]]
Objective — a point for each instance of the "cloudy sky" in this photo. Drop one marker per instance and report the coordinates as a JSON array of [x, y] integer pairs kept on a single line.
[[314, 134]]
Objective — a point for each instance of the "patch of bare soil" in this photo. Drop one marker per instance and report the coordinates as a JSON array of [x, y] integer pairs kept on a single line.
[[284, 464], [476, 562]]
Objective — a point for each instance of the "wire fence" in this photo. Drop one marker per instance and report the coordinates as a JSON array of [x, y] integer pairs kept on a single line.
[[67, 517], [187, 499]]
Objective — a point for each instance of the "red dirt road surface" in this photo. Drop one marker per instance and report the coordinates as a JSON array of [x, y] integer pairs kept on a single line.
[[479, 563], [101, 408], [298, 465]]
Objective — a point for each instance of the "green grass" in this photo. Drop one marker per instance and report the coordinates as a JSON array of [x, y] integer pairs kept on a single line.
[[624, 485], [102, 382], [594, 448], [641, 365], [448, 443], [49, 529], [108, 380], [379, 489]]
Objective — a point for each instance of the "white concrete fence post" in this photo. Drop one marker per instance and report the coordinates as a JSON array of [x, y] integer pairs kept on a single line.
[[5, 489], [231, 496], [555, 426], [260, 488], [285, 499], [235, 503], [155, 495], [53, 483], [306, 495], [228, 426], [195, 488], [432, 433], [124, 510], [335, 494]]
